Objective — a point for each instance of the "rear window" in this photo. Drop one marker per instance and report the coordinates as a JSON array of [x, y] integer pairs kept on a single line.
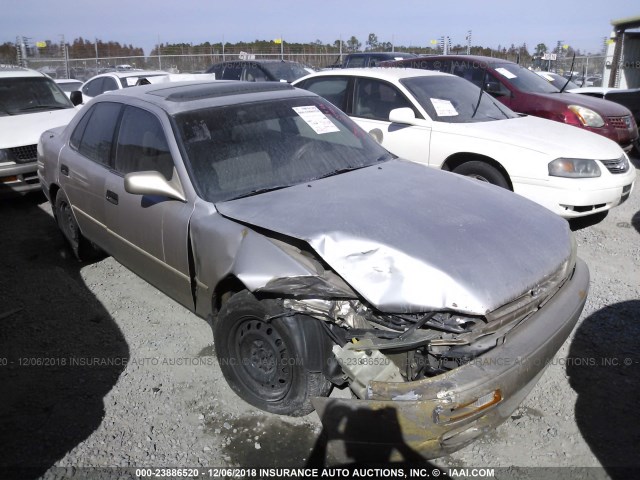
[[285, 70]]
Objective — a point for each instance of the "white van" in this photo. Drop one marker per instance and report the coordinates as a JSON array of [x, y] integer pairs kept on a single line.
[[30, 103]]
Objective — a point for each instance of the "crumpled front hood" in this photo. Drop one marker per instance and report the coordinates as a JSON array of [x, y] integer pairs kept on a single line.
[[409, 238]]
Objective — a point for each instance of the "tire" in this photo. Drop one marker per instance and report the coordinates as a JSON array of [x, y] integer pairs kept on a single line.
[[262, 361], [483, 172], [82, 248]]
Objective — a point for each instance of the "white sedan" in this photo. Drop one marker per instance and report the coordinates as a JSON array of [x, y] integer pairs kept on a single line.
[[446, 122], [107, 82], [111, 81]]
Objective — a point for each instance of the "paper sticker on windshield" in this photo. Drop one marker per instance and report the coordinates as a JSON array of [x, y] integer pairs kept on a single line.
[[546, 76], [317, 120], [506, 73], [444, 108]]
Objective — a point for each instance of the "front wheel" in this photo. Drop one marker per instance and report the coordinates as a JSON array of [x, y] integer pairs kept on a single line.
[[483, 172], [263, 361]]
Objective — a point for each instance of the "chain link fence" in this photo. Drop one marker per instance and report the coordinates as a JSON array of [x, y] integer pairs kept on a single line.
[[58, 64], [584, 70], [56, 61]]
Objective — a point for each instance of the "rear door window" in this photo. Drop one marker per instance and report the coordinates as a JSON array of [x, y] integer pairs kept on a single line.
[[356, 61], [109, 84], [93, 88], [333, 89], [97, 137], [232, 71]]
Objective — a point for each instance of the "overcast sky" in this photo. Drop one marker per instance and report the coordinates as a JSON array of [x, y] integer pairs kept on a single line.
[[143, 23]]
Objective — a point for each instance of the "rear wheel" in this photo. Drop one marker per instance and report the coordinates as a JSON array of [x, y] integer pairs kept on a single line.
[[82, 248], [483, 172], [263, 361]]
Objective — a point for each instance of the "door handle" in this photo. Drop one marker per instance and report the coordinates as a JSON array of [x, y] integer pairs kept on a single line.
[[112, 197], [64, 170]]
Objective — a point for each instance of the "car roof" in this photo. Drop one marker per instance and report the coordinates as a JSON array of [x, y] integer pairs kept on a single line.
[[385, 54], [16, 71], [472, 58], [130, 73], [269, 60], [382, 73], [178, 97]]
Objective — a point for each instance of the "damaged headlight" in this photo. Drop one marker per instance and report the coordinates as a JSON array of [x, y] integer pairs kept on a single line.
[[587, 117], [574, 168]]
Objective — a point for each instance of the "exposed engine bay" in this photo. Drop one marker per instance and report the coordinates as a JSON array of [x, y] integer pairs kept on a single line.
[[375, 346]]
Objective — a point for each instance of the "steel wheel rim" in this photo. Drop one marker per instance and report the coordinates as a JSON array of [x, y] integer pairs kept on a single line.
[[262, 359], [69, 227]]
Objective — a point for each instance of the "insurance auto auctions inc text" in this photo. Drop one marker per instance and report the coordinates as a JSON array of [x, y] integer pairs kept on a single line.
[[372, 472]]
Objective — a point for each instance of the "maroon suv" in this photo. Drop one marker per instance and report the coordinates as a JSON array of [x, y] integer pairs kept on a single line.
[[525, 92]]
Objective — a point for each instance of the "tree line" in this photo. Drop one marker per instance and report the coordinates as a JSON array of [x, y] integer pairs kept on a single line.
[[84, 48]]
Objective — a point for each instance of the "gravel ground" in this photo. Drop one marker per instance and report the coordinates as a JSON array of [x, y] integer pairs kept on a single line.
[[98, 368]]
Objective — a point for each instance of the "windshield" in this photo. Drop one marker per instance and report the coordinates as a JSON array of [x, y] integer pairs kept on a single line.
[[245, 149], [30, 95], [285, 70], [557, 81], [455, 100], [523, 79]]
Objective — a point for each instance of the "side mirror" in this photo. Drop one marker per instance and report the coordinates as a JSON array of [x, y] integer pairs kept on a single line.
[[403, 115], [153, 183], [76, 98], [377, 135]]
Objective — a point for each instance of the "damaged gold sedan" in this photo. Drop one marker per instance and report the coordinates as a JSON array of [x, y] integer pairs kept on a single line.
[[321, 260]]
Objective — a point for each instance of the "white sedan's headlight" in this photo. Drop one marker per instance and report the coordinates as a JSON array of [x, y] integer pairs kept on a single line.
[[6, 155], [588, 117], [574, 168]]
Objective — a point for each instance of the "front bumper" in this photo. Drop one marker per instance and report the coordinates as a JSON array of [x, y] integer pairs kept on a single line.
[[18, 178], [433, 416], [572, 198]]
